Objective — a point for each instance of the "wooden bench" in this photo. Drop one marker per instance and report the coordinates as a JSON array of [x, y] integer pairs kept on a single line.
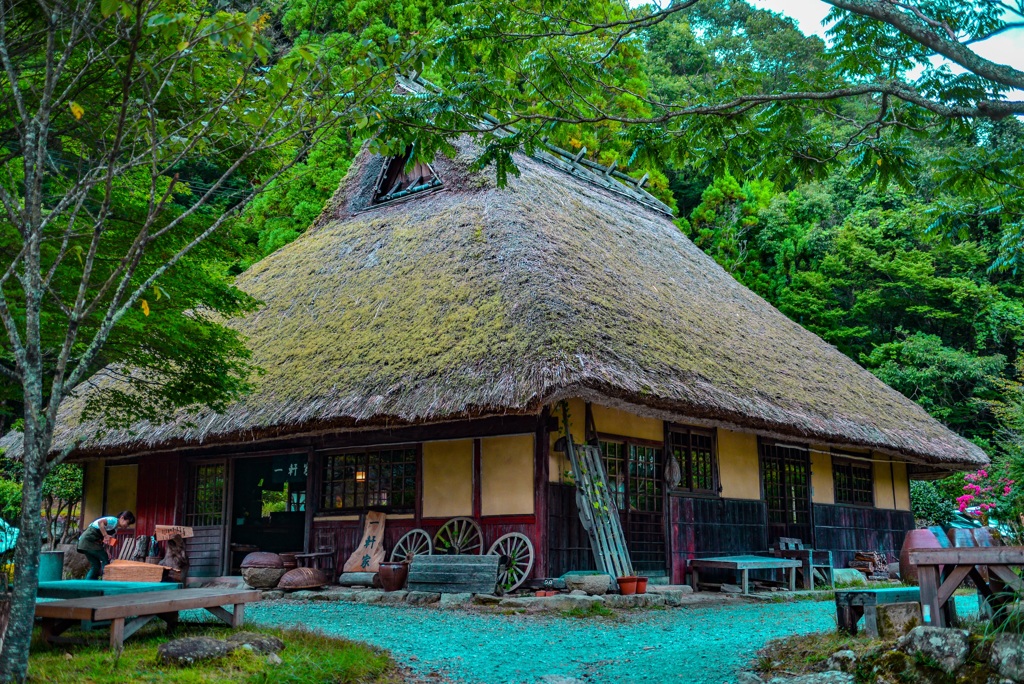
[[130, 612], [743, 565], [853, 604], [454, 574], [819, 562]]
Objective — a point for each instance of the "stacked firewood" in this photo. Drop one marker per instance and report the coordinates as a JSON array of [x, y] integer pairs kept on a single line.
[[873, 564]]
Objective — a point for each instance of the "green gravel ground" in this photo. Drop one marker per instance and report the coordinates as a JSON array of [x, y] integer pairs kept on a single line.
[[698, 645], [705, 644]]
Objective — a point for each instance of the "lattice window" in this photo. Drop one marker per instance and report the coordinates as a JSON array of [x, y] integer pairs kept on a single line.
[[854, 482], [615, 466], [694, 451], [397, 181], [206, 504], [786, 478], [383, 479]]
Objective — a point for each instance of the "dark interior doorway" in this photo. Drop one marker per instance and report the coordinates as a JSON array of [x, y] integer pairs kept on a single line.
[[269, 504]]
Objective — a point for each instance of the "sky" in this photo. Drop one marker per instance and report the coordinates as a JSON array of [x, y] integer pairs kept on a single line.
[[1007, 48]]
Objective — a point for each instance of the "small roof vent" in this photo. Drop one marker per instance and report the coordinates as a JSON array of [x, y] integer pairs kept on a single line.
[[397, 181]]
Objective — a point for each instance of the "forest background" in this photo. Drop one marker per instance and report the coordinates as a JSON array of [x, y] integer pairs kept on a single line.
[[891, 244]]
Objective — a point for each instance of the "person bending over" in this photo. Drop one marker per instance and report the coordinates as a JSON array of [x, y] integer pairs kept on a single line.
[[99, 533]]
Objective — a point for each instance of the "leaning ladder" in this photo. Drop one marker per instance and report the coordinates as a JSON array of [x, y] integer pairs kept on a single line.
[[598, 513]]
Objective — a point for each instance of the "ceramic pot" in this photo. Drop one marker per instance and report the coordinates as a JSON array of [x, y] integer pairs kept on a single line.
[[984, 537], [961, 539], [393, 575], [289, 561], [627, 585], [915, 539], [641, 585]]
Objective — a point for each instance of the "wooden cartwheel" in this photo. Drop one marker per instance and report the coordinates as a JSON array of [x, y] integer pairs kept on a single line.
[[516, 551], [411, 544], [460, 536]]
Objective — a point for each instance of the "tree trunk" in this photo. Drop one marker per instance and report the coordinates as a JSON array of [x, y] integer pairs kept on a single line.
[[14, 655]]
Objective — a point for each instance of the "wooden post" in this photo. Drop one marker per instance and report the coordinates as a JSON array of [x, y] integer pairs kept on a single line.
[[744, 580], [928, 577], [238, 616], [312, 499], [117, 635], [694, 579]]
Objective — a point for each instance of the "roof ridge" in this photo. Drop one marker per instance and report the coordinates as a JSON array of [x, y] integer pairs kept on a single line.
[[606, 177]]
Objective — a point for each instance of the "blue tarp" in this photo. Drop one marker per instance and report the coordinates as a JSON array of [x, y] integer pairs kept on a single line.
[[8, 537]]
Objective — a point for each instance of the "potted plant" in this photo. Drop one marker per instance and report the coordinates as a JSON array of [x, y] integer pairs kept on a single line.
[[641, 585]]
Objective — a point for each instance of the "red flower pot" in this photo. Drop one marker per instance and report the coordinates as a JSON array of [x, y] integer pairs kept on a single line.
[[627, 585], [641, 585]]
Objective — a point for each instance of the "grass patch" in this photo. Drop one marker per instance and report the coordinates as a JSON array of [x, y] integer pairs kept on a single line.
[[308, 658], [594, 610], [808, 653]]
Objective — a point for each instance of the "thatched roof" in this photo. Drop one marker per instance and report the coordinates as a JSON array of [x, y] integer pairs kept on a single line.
[[470, 300]]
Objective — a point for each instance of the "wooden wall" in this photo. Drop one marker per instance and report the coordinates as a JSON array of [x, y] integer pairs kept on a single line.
[[700, 528], [160, 484], [844, 530]]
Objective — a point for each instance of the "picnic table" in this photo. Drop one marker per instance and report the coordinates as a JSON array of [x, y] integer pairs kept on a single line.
[[72, 589], [941, 571], [130, 612], [853, 604], [743, 565]]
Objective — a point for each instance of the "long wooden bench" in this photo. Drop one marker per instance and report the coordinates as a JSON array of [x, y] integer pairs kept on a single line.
[[75, 589], [130, 612]]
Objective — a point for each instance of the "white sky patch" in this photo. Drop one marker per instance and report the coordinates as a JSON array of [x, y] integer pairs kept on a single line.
[[1005, 48]]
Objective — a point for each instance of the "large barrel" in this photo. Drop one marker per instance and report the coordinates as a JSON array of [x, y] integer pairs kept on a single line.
[[51, 566]]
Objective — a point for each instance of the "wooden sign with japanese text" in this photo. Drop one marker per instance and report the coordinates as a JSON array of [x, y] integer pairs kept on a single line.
[[368, 555]]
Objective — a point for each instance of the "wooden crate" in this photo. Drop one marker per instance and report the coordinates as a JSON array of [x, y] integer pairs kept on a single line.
[[131, 571], [454, 574]]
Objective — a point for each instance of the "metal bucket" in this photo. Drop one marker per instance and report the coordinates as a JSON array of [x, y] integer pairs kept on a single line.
[[51, 566]]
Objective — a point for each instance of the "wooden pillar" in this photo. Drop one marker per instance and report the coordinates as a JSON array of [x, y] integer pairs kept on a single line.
[[312, 498], [541, 468], [477, 457]]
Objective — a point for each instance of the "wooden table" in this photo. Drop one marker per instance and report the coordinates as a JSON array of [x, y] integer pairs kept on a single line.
[[73, 589], [743, 565], [941, 571], [853, 604], [129, 612]]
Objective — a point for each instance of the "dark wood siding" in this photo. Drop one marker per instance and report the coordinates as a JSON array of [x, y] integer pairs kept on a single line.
[[568, 544], [703, 527], [205, 551], [844, 530]]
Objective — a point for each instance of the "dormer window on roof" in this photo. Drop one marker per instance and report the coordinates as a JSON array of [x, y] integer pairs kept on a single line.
[[397, 181]]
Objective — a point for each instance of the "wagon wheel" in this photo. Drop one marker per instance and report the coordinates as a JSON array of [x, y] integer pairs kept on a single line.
[[516, 551], [461, 536], [412, 543]]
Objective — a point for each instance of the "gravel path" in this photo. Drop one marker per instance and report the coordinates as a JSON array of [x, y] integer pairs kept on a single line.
[[697, 645]]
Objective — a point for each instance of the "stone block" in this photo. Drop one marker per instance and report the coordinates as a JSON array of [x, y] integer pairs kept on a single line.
[[947, 647], [272, 595], [897, 619], [842, 661], [730, 589], [192, 650], [392, 598], [261, 643], [422, 597], [262, 578], [635, 600], [368, 596], [594, 585], [486, 600], [558, 602], [849, 577], [1007, 656], [832, 677], [460, 600]]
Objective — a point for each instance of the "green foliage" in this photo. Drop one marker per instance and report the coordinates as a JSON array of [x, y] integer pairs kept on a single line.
[[929, 505], [10, 501], [859, 268]]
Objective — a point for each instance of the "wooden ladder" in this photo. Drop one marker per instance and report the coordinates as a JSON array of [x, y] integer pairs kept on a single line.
[[598, 512]]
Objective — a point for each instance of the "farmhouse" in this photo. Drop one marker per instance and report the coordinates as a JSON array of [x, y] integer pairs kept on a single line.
[[431, 337]]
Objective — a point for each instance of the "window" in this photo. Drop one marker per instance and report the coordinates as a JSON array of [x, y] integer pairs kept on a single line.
[[396, 181], [854, 482], [694, 451], [206, 505], [633, 471], [380, 479]]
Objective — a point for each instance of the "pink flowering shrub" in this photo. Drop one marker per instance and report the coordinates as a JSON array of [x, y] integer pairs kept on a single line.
[[988, 491]]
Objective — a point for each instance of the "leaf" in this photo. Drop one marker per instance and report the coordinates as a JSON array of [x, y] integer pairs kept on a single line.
[[145, 307], [76, 110], [183, 45], [156, 293], [78, 253], [108, 7]]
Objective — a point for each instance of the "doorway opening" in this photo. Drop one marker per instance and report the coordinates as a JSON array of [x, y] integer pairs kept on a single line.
[[268, 510]]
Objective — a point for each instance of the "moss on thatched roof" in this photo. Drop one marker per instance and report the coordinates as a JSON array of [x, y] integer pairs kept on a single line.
[[473, 300]]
